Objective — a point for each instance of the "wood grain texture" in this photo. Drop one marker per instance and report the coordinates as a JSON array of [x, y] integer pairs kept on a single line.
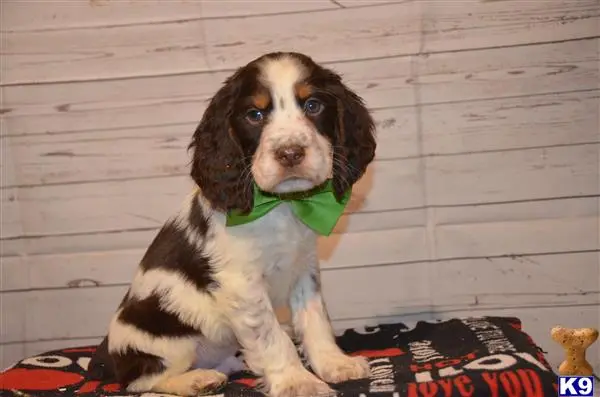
[[512, 123], [508, 72], [73, 243], [364, 3], [195, 45], [390, 290], [385, 75], [517, 237], [117, 239], [492, 231], [164, 101], [449, 128], [157, 101], [60, 55], [500, 283], [117, 267], [452, 180], [457, 25], [157, 151], [241, 8], [513, 175], [53, 209], [202, 45], [12, 225], [41, 15], [10, 215], [82, 150], [376, 30]]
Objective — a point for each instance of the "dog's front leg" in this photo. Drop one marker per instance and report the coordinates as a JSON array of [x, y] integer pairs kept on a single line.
[[312, 325], [267, 348]]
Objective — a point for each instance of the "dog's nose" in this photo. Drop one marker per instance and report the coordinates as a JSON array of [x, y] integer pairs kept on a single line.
[[289, 156]]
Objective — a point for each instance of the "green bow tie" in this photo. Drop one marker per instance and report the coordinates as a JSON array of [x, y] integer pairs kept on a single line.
[[316, 208]]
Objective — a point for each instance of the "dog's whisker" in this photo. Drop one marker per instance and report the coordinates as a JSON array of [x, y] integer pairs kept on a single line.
[[346, 165]]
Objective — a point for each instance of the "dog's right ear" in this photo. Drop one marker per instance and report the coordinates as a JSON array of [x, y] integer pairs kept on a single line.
[[218, 161]]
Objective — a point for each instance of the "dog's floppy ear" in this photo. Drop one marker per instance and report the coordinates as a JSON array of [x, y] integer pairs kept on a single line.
[[355, 136], [218, 161]]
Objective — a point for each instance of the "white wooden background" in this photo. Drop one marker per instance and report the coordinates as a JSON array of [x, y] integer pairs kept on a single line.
[[483, 199]]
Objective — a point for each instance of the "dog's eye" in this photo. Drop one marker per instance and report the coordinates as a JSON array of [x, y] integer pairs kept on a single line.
[[255, 116], [313, 107]]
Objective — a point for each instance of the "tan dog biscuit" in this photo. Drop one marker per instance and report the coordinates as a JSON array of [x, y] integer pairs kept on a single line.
[[575, 341]]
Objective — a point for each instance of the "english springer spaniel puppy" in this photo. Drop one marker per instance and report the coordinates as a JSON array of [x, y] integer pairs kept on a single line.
[[279, 131]]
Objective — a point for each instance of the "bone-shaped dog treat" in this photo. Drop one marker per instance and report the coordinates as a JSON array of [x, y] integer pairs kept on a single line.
[[575, 341]]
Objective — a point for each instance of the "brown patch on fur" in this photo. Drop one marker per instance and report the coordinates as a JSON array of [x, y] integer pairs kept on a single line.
[[261, 100], [132, 364], [303, 90]]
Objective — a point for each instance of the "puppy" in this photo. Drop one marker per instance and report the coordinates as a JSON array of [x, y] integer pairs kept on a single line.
[[280, 125]]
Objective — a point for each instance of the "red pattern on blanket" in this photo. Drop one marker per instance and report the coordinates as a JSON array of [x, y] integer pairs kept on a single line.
[[485, 356]]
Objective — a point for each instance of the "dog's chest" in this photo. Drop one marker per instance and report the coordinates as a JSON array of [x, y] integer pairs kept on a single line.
[[282, 249]]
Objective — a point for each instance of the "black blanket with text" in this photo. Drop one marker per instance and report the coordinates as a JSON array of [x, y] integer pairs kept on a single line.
[[471, 357]]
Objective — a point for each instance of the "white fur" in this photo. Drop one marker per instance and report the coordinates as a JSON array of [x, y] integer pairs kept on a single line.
[[288, 125], [260, 273]]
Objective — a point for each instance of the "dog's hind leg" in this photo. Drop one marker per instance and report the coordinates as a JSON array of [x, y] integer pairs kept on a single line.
[[163, 364], [172, 373]]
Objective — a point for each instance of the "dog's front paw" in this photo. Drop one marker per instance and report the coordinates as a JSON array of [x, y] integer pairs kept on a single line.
[[337, 368], [299, 383]]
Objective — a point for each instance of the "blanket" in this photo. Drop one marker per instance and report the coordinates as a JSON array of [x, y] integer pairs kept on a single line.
[[483, 356]]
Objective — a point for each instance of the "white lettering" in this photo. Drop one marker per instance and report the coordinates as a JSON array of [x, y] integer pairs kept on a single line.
[[382, 371], [490, 335], [566, 386], [423, 352], [494, 362], [381, 382], [382, 376]]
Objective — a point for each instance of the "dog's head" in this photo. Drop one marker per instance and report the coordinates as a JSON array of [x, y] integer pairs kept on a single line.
[[285, 123]]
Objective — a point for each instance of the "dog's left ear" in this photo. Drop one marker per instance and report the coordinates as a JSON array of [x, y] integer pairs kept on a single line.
[[355, 135]]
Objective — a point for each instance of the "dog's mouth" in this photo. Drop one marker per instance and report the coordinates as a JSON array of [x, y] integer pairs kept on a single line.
[[288, 181], [293, 184], [278, 179]]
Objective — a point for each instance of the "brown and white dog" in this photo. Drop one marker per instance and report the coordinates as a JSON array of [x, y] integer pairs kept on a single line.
[[286, 124]]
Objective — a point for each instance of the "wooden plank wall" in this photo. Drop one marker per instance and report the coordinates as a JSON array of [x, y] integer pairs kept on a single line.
[[483, 199]]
